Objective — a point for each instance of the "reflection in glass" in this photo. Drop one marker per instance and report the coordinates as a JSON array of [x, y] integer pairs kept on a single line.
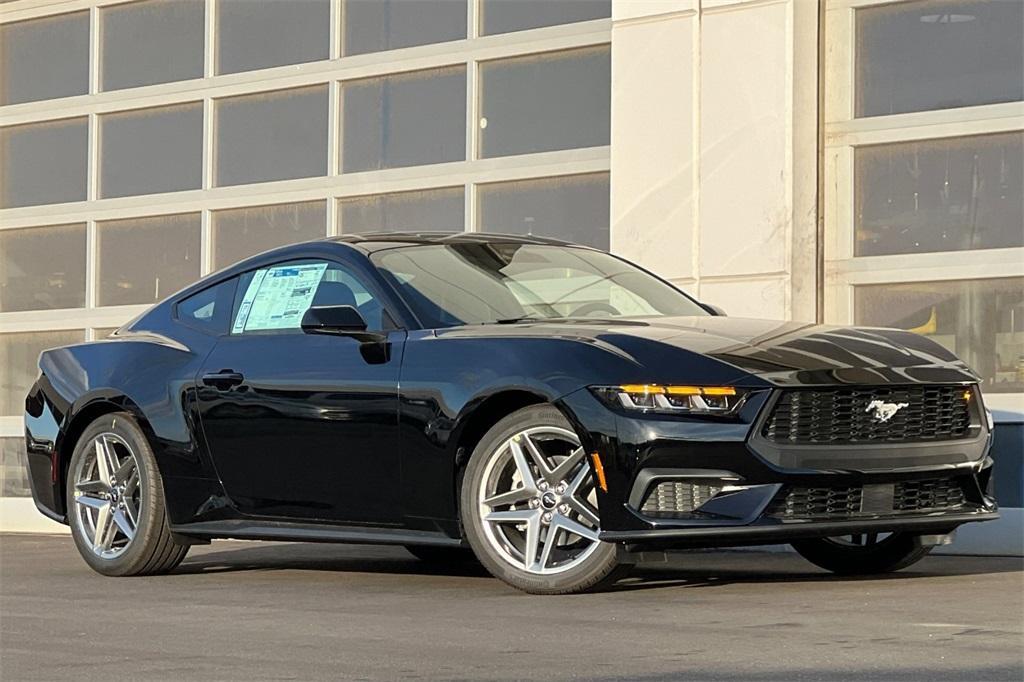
[[153, 41], [473, 283], [44, 58], [13, 468], [258, 35], [19, 354], [940, 195], [573, 208], [433, 210], [504, 16], [982, 321], [938, 54], [242, 232], [43, 163], [376, 25], [272, 136], [405, 120], [42, 268], [144, 260], [545, 102], [151, 150]]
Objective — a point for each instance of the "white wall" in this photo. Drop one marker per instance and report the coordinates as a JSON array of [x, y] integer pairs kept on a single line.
[[714, 139]]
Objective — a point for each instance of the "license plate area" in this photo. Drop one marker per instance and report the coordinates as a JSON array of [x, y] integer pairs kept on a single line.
[[877, 498]]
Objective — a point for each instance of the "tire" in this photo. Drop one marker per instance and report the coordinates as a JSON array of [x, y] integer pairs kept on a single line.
[[138, 540], [442, 556], [573, 563], [893, 553]]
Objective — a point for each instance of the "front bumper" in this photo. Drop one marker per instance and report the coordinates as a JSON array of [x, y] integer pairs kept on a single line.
[[640, 452], [768, 534]]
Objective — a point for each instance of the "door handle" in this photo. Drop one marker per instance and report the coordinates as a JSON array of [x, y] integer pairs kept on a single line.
[[223, 380]]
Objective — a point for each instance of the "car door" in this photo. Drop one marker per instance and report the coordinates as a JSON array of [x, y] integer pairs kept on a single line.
[[304, 425]]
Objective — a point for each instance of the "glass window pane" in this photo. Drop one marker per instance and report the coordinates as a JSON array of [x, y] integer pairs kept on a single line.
[[376, 25], [434, 210], [13, 468], [19, 354], [154, 41], [503, 16], [939, 54], [258, 35], [242, 232], [982, 321], [272, 136], [574, 208], [151, 150], [940, 195], [42, 268], [404, 120], [43, 163], [44, 58], [210, 309], [144, 260], [545, 102]]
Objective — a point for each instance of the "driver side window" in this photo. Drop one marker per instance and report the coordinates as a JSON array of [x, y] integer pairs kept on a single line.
[[275, 298]]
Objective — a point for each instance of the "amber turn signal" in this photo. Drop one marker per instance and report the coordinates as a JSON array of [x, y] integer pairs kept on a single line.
[[599, 471]]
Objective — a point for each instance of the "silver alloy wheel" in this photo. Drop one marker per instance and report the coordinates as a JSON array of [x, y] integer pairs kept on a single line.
[[107, 495], [537, 501]]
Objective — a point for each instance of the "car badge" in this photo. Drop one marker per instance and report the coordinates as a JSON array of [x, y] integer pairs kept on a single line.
[[882, 411]]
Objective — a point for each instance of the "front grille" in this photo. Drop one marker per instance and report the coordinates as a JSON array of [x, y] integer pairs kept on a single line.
[[677, 498], [846, 415], [929, 495]]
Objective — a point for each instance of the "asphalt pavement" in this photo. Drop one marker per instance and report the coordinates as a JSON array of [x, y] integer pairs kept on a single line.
[[274, 611]]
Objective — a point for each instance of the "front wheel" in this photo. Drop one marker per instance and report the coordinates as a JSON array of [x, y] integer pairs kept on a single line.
[[529, 506], [863, 554], [115, 501]]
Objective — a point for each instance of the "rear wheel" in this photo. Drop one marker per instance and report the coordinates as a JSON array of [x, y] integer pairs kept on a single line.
[[529, 506], [863, 554], [115, 501]]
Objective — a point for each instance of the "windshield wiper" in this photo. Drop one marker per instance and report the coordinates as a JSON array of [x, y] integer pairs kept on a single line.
[[516, 320]]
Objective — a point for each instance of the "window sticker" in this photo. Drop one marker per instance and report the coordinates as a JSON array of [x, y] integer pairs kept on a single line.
[[278, 297]]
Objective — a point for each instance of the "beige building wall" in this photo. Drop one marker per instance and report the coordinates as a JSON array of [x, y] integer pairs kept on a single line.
[[713, 154]]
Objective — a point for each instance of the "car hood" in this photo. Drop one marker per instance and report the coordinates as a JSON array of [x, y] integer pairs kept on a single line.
[[780, 352]]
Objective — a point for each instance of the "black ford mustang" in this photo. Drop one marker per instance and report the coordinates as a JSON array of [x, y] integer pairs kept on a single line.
[[553, 408]]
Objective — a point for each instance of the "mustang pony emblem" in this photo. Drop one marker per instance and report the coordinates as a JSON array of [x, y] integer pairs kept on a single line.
[[883, 411]]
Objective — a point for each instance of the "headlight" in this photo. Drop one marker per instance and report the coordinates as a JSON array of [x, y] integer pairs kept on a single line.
[[694, 400]]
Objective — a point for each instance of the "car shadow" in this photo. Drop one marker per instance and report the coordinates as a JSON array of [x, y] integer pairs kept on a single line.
[[692, 569]]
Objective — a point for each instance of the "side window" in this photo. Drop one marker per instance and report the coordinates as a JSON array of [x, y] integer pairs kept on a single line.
[[208, 310], [275, 298]]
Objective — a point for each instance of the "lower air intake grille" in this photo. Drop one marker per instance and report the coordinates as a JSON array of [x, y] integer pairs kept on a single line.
[[805, 503], [929, 495], [675, 498], [935, 493]]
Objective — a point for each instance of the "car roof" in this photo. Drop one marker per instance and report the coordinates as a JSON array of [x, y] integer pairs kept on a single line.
[[378, 241]]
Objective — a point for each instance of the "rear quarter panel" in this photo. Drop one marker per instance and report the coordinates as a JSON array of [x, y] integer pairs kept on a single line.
[[147, 374]]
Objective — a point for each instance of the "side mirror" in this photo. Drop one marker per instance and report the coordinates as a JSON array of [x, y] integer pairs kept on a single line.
[[342, 320], [713, 309]]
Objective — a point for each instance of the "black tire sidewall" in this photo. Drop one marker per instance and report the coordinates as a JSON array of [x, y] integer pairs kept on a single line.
[[151, 521], [599, 568], [892, 554]]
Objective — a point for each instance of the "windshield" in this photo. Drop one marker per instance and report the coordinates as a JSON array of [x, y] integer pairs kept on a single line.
[[453, 284]]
